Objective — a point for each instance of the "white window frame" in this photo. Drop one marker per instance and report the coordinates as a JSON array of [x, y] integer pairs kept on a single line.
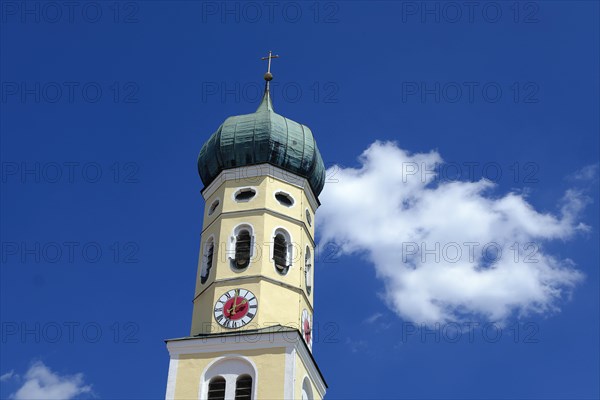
[[204, 268], [307, 392], [218, 201], [230, 367], [278, 191], [309, 217], [308, 271], [238, 190], [289, 250], [233, 241]]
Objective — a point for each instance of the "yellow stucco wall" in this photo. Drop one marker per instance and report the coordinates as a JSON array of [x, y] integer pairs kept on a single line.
[[277, 305], [269, 364], [281, 298], [301, 373]]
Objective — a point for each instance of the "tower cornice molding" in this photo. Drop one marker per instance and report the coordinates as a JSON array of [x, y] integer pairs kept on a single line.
[[259, 170], [231, 343], [257, 278]]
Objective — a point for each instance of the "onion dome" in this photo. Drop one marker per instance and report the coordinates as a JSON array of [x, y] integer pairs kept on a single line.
[[262, 137]]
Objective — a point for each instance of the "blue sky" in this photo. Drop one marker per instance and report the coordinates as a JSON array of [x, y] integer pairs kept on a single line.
[[108, 106]]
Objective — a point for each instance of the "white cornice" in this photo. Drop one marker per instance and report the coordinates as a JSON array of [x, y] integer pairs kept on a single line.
[[290, 340], [253, 171], [296, 289]]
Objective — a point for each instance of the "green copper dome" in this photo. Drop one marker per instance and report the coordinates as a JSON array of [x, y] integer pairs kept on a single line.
[[262, 137]]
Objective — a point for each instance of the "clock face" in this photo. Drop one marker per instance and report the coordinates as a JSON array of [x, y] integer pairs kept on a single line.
[[307, 328], [236, 308]]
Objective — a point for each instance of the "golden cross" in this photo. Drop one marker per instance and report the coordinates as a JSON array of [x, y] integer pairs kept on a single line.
[[271, 56]]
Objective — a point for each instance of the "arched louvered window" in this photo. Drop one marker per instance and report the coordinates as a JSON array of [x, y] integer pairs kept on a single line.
[[307, 393], [209, 251], [282, 248], [243, 387], [243, 243], [308, 270], [216, 388]]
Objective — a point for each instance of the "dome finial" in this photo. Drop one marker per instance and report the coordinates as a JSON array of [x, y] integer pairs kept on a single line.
[[268, 76], [266, 101]]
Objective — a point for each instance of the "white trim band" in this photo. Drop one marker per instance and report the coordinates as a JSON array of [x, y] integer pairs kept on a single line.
[[254, 171]]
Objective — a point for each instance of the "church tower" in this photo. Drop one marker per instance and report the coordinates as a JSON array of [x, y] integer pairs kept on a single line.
[[251, 335]]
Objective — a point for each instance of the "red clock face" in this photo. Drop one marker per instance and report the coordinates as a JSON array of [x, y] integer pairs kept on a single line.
[[306, 328], [236, 308], [307, 332]]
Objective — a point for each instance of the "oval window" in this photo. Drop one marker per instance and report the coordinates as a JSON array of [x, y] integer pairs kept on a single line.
[[284, 199], [244, 194], [308, 217], [213, 207]]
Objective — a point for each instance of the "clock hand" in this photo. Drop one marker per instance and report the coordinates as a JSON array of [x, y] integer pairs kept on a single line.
[[231, 310], [235, 307]]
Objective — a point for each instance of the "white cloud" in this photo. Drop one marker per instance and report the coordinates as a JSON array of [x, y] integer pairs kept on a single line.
[[426, 239], [7, 376], [373, 318], [587, 173], [356, 345], [41, 383]]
